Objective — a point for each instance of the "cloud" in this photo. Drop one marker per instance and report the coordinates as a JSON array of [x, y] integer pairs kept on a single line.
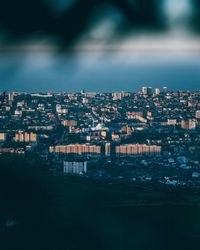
[[115, 41], [23, 19]]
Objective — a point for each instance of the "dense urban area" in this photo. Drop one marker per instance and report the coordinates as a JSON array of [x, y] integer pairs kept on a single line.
[[149, 136]]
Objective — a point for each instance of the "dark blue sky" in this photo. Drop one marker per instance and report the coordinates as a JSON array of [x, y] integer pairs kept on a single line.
[[116, 46], [98, 71]]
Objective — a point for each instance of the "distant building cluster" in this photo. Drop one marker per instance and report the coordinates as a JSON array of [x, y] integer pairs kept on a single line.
[[154, 126], [87, 149], [25, 137], [137, 149], [78, 149]]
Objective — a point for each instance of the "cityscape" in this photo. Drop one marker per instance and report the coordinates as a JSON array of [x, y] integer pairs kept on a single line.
[[100, 125], [149, 136]]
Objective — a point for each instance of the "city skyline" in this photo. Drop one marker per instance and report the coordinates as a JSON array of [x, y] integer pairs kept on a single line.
[[85, 91]]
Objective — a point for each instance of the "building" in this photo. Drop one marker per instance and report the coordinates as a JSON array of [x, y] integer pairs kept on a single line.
[[100, 127], [91, 94], [10, 98], [85, 101], [2, 137], [69, 123], [107, 149], [149, 91], [188, 124], [74, 167], [25, 137], [144, 90], [41, 128], [32, 137], [58, 108], [134, 114], [115, 137], [12, 151], [171, 122], [165, 90], [198, 114], [117, 96], [137, 149], [61, 110], [127, 130], [78, 149], [157, 91]]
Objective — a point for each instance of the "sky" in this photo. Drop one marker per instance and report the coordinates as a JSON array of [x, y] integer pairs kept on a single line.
[[109, 47]]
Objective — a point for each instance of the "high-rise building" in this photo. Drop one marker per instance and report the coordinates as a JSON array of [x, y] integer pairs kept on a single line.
[[144, 90], [149, 91], [107, 149], [165, 89], [10, 98], [157, 91], [25, 137]]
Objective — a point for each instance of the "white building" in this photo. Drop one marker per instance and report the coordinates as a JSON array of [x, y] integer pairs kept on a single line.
[[144, 90], [117, 96], [74, 167], [107, 149], [100, 127], [157, 91]]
